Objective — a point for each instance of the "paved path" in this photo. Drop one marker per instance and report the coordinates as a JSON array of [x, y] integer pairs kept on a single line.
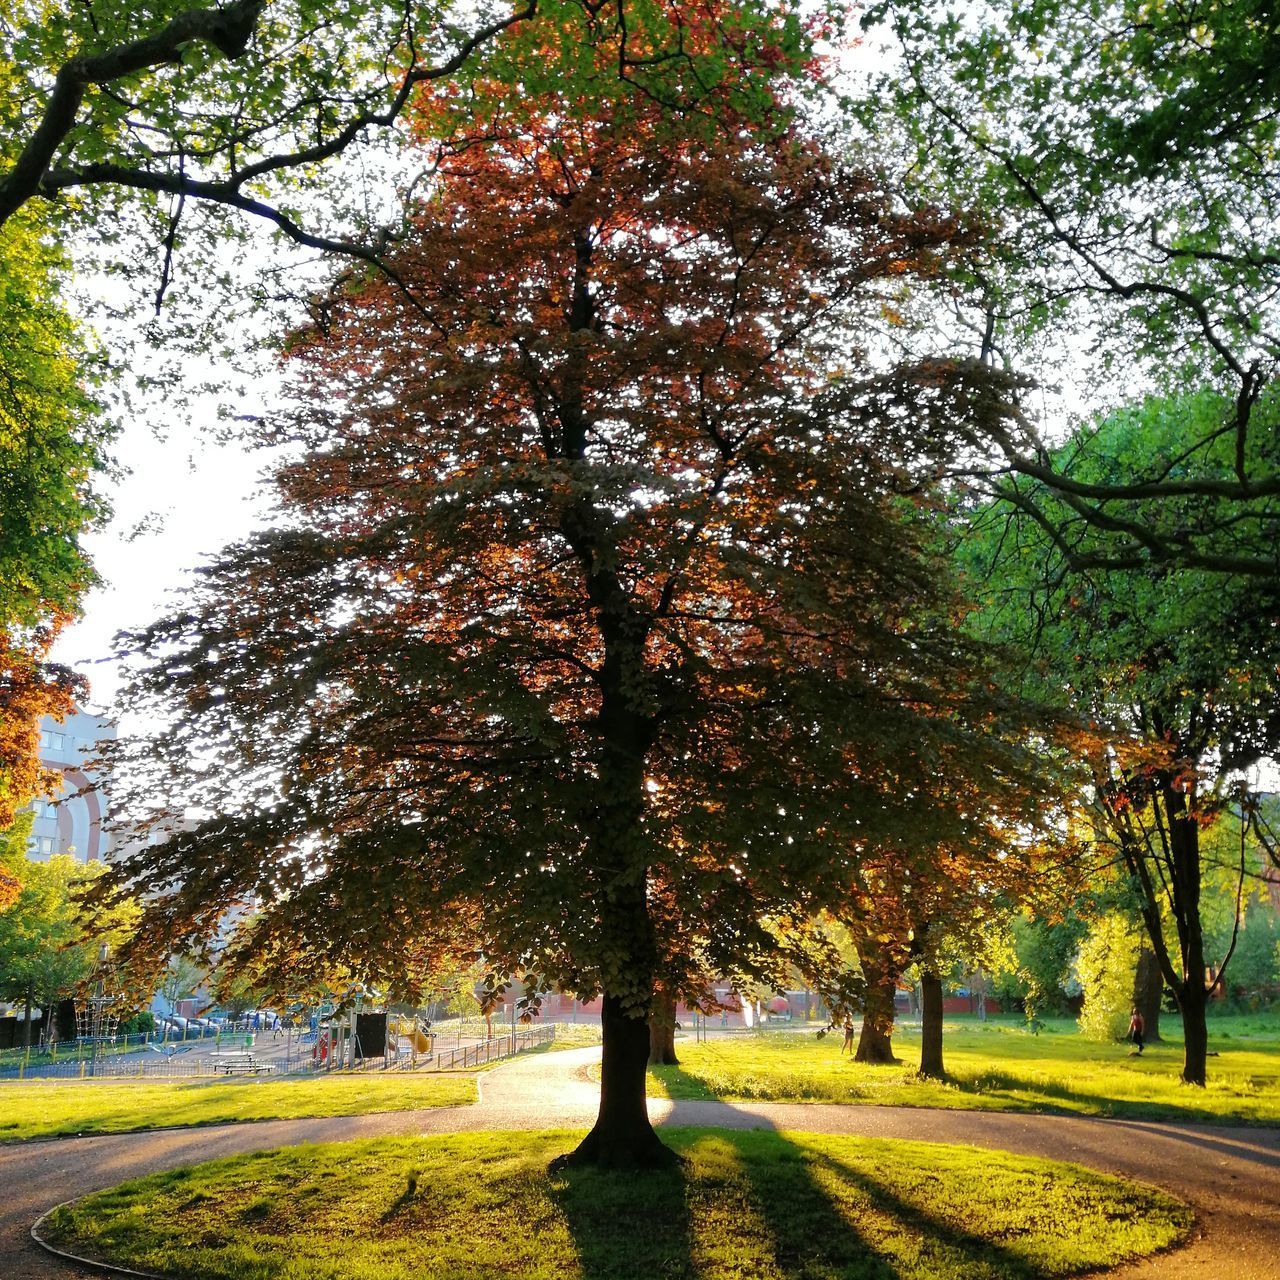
[[1230, 1175]]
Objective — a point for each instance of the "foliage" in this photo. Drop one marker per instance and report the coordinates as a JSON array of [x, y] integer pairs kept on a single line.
[[1255, 966], [1043, 950], [45, 951], [1173, 669], [1123, 154], [765, 1204], [1106, 964], [52, 442], [595, 632], [36, 1110], [180, 980]]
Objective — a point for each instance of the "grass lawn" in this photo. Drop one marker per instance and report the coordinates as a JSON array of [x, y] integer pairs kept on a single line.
[[999, 1066], [748, 1206], [55, 1108]]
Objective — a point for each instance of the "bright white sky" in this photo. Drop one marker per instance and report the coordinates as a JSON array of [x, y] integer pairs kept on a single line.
[[194, 496]]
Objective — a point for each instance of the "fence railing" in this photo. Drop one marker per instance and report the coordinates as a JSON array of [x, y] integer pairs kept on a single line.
[[142, 1061], [477, 1055]]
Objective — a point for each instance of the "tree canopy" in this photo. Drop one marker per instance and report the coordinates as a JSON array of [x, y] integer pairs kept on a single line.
[[1123, 156], [599, 634], [1175, 668], [53, 438]]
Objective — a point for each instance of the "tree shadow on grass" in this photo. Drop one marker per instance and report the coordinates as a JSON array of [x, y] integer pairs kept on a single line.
[[755, 1204], [627, 1226], [1023, 1096]]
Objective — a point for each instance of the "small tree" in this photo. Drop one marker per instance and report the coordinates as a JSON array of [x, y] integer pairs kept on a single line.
[[1106, 967], [45, 951]]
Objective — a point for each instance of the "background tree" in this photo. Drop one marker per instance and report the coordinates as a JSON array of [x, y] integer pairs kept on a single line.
[[46, 949], [1125, 153], [1176, 668], [600, 635], [180, 980]]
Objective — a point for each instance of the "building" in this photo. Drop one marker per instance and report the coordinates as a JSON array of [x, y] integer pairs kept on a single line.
[[72, 820]]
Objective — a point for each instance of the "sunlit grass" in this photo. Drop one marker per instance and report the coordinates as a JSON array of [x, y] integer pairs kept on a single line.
[[999, 1066], [757, 1204], [54, 1108]]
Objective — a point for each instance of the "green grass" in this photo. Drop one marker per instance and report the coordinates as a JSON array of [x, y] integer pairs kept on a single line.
[[56, 1108], [747, 1206], [996, 1067]]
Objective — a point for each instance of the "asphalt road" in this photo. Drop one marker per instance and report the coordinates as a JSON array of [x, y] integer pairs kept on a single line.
[[1230, 1175]]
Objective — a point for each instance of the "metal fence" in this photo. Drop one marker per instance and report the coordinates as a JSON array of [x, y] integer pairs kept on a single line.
[[121, 1062], [476, 1055]]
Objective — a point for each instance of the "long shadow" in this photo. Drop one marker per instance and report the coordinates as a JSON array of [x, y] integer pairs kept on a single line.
[[1209, 1141], [628, 1226], [763, 1203]]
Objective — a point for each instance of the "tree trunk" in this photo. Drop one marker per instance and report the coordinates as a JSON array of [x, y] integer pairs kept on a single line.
[[875, 1043], [1194, 1002], [662, 1034], [622, 1137], [931, 1025], [1148, 987]]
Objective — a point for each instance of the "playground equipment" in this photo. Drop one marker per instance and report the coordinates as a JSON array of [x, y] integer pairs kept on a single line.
[[97, 1017]]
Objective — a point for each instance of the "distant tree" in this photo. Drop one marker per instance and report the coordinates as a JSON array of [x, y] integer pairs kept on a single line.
[[181, 979], [1107, 964], [600, 636], [46, 948]]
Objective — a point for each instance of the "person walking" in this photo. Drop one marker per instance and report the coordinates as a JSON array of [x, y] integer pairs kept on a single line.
[[1137, 1030]]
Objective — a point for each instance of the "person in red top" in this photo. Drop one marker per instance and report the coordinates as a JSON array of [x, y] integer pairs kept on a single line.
[[1137, 1029]]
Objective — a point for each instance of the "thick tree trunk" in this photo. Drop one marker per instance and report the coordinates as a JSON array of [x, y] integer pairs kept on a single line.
[[1195, 1032], [622, 1137], [875, 1043], [931, 1025], [1148, 987], [662, 1034]]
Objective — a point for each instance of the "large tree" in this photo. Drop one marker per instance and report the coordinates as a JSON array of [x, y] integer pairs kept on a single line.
[[235, 105], [52, 443], [600, 635]]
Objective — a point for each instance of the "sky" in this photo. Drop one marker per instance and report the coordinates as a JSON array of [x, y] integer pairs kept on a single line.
[[191, 496]]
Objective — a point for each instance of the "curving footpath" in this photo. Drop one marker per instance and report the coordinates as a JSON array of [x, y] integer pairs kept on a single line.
[[1231, 1176]]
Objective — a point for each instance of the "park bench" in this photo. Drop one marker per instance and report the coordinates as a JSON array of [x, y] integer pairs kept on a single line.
[[238, 1064]]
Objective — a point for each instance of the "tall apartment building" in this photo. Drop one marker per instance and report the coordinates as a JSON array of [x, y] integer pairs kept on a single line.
[[72, 821]]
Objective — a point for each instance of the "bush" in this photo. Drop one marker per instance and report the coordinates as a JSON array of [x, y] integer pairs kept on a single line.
[[1105, 965]]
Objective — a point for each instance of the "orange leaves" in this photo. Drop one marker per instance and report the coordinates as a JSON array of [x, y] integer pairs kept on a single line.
[[29, 688]]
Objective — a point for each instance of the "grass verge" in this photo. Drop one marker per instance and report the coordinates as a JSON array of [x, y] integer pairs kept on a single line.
[[58, 1108], [763, 1205], [996, 1067]]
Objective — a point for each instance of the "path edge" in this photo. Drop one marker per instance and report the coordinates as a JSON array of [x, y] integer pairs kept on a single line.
[[87, 1263]]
